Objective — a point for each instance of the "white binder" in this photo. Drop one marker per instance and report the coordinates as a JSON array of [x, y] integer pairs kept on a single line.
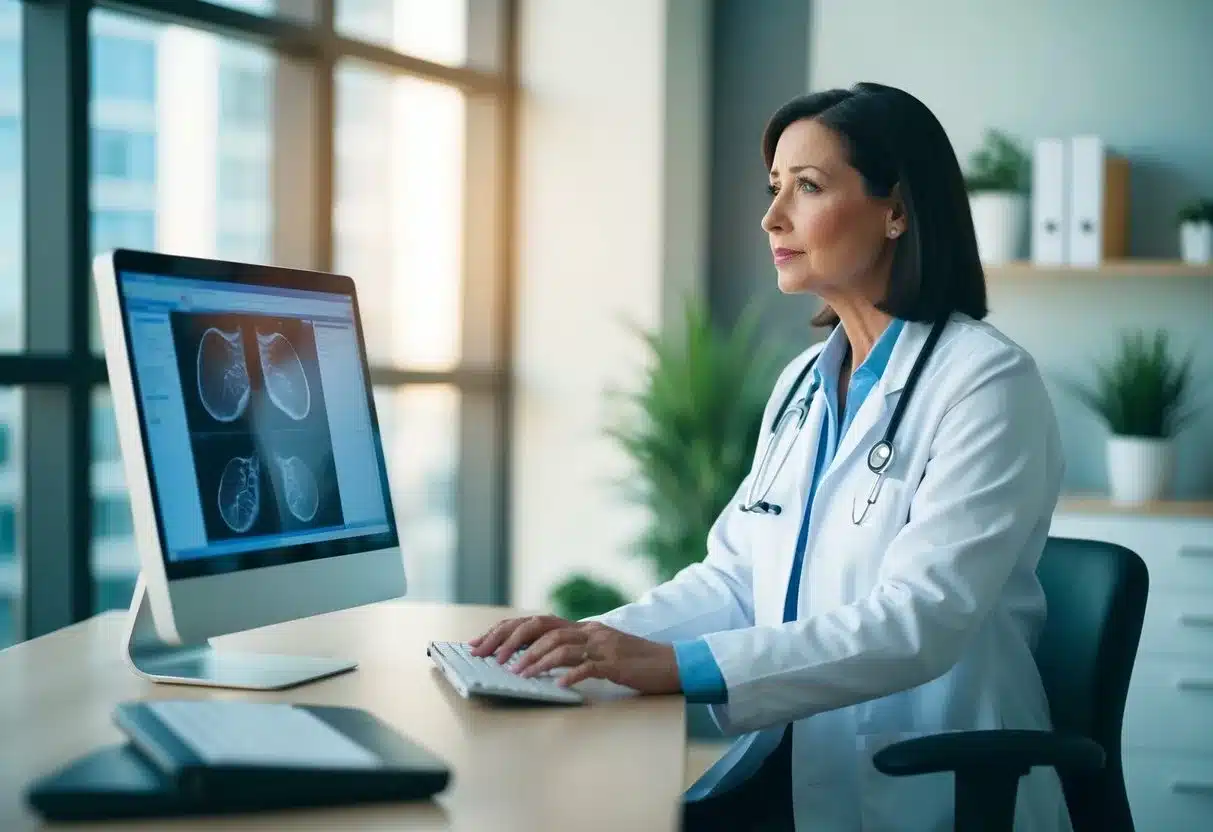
[[1099, 183], [1050, 198]]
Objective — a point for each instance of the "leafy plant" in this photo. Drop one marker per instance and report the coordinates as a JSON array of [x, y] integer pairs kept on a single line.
[[689, 432], [999, 164], [581, 596], [1141, 391], [1199, 211]]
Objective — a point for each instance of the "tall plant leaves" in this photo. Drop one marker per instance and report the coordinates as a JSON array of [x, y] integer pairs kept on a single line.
[[689, 430]]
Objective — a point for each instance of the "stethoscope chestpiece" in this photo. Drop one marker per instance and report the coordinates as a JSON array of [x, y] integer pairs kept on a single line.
[[880, 456]]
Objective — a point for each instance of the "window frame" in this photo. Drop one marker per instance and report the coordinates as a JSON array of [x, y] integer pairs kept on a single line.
[[58, 369]]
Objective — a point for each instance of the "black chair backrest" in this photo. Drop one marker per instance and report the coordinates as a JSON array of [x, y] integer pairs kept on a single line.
[[1096, 596]]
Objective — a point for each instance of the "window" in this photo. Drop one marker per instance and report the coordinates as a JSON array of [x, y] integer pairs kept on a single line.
[[244, 179], [8, 531], [10, 512], [255, 6], [398, 220], [201, 154], [119, 228], [10, 53], [203, 142], [115, 563], [124, 68], [12, 288], [10, 142], [105, 431], [120, 154], [420, 443], [435, 30], [243, 95], [112, 517], [242, 247]]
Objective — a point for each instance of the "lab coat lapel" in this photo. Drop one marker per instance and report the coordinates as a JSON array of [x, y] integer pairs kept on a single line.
[[878, 406], [798, 478]]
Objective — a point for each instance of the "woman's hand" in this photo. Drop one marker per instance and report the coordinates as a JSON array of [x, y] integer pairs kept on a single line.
[[590, 649]]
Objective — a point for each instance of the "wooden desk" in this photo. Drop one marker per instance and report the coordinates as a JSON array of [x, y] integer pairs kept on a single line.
[[615, 764]]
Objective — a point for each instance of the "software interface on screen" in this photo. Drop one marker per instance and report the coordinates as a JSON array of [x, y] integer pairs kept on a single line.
[[258, 428]]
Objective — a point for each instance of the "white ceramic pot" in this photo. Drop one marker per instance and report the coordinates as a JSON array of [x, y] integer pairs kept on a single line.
[[1196, 242], [1139, 468], [1000, 220]]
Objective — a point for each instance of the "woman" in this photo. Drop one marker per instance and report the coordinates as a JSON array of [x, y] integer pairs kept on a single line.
[[839, 610]]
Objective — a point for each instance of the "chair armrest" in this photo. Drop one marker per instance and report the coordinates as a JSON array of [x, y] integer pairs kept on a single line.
[[977, 752]]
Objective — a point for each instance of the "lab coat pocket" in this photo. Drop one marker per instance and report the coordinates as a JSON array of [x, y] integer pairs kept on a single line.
[[923, 803]]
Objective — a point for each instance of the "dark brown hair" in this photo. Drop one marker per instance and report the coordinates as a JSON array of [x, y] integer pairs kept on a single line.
[[893, 139]]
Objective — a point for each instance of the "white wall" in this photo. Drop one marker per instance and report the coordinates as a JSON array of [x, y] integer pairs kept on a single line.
[[601, 239], [1136, 73]]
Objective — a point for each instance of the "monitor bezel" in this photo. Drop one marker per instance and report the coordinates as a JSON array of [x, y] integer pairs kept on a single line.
[[233, 273]]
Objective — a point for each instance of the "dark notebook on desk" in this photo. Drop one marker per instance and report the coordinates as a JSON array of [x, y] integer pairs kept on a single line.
[[188, 757]]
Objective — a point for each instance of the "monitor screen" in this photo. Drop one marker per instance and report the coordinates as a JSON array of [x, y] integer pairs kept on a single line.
[[258, 422]]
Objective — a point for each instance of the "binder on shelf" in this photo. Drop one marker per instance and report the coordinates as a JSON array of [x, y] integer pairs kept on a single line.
[[1050, 203], [1099, 202]]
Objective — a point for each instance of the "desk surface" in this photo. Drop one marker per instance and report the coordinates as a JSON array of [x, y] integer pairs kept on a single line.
[[521, 768]]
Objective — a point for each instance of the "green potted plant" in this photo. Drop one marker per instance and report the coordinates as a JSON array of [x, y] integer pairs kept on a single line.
[[1140, 395], [997, 182], [1196, 231], [689, 432]]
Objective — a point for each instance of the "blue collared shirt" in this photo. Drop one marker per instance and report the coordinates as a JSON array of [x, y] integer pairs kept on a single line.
[[702, 681]]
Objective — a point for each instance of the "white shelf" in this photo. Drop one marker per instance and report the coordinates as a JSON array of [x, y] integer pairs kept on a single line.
[[1128, 267], [1093, 504]]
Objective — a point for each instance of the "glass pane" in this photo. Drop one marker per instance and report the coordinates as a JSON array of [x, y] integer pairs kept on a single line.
[[115, 563], [434, 30], [420, 427], [180, 142], [12, 249], [255, 6], [304, 10], [398, 219], [11, 577]]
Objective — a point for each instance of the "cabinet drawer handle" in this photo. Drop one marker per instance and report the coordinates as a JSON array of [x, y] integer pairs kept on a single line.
[[1195, 619], [1195, 552], [1192, 787], [1196, 684]]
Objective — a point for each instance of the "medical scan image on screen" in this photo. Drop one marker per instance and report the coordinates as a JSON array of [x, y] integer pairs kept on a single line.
[[259, 403], [258, 425]]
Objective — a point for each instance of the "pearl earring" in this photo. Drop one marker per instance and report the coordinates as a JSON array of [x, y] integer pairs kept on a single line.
[[893, 232]]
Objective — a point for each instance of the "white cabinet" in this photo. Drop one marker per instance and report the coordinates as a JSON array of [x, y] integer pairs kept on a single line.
[[1168, 725]]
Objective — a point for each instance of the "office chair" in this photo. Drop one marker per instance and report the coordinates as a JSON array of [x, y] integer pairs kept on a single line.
[[1096, 595]]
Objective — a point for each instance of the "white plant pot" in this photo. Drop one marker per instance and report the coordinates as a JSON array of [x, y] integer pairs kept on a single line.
[[1196, 242], [1000, 220], [1139, 468]]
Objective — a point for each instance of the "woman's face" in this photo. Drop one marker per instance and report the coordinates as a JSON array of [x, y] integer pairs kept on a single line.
[[827, 235]]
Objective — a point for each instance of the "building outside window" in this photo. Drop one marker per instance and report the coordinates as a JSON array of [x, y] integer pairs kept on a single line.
[[183, 143]]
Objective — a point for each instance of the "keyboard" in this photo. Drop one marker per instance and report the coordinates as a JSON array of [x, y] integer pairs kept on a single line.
[[260, 734], [473, 676]]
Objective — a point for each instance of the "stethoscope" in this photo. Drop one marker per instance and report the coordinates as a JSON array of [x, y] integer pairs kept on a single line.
[[879, 457]]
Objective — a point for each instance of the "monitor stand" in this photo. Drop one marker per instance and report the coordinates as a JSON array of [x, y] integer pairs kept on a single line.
[[202, 664]]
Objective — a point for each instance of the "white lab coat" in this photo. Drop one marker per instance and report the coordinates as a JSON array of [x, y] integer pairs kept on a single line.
[[919, 620]]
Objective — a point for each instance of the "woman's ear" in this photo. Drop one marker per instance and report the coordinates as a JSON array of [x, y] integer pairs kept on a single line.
[[895, 219]]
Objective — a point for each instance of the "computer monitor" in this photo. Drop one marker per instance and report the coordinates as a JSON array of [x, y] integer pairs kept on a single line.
[[251, 448]]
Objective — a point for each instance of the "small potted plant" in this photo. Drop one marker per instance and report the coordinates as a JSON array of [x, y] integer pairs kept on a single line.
[[1140, 396], [997, 182], [1196, 232]]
